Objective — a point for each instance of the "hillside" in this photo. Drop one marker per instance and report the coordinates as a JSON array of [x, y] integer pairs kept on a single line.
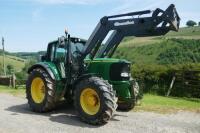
[[184, 33], [174, 48], [29, 55], [16, 62]]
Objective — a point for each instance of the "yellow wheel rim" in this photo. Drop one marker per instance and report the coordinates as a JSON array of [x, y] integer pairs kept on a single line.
[[37, 90], [90, 102]]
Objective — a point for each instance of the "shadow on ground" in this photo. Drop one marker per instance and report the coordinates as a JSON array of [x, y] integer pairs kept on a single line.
[[63, 113]]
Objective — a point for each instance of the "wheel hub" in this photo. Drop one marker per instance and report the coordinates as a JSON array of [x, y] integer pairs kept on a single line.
[[37, 90], [92, 100], [89, 101]]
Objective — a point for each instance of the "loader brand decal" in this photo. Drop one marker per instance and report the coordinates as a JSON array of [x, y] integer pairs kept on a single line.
[[124, 23]]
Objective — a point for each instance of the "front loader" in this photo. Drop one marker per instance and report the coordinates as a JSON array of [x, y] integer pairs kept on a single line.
[[83, 72]]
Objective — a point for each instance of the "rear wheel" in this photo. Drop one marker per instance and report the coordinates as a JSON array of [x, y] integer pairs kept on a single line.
[[40, 91], [94, 100]]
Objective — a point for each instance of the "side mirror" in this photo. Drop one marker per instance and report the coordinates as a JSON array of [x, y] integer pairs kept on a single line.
[[61, 40]]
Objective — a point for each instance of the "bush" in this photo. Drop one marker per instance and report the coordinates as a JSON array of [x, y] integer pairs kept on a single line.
[[184, 51], [1, 69], [152, 77], [10, 69], [28, 64], [156, 79], [23, 74]]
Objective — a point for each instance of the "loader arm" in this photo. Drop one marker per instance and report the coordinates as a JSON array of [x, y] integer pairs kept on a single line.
[[160, 23]]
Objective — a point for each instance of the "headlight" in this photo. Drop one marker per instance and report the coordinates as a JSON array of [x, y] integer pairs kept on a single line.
[[125, 74]]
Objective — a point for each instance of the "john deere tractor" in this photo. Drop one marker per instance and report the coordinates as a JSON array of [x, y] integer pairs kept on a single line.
[[83, 72]]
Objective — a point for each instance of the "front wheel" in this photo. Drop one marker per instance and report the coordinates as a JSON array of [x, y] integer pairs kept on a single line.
[[94, 100], [129, 105]]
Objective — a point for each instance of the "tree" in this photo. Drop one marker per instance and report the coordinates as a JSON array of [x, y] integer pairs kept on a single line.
[[199, 23], [10, 69], [28, 64], [191, 23], [1, 69], [23, 74]]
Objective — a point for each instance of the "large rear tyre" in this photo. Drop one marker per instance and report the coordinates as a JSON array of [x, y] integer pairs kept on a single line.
[[40, 91], [129, 105], [94, 100]]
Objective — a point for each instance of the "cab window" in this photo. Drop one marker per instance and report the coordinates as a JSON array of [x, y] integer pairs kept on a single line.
[[60, 54]]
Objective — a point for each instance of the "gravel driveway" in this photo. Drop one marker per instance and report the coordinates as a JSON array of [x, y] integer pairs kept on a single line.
[[16, 117]]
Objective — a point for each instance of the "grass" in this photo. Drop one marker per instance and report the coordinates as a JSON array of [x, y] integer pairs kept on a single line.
[[162, 104], [12, 91]]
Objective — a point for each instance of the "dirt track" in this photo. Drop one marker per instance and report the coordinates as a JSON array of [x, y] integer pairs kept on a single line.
[[16, 117]]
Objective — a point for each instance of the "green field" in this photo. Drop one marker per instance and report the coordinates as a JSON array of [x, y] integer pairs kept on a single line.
[[168, 104], [15, 92]]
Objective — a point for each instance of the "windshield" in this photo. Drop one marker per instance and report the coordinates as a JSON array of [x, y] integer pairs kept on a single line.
[[77, 47]]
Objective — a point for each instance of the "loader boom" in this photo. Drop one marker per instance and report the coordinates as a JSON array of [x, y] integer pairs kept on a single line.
[[160, 23]]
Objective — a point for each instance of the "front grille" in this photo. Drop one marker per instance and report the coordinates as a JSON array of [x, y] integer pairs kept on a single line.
[[117, 68]]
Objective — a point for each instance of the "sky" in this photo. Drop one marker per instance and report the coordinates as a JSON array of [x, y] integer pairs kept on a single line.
[[28, 25]]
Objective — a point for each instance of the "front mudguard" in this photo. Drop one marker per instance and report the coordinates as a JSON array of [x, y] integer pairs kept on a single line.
[[127, 91]]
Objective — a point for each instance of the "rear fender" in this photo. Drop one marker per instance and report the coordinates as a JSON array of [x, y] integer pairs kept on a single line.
[[50, 68]]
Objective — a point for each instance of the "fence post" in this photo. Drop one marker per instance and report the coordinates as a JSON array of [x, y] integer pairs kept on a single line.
[[171, 86], [10, 81], [13, 80]]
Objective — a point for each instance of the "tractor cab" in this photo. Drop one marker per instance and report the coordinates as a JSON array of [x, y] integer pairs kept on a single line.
[[58, 52]]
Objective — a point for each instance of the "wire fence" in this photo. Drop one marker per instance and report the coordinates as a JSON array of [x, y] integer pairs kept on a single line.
[[188, 82]]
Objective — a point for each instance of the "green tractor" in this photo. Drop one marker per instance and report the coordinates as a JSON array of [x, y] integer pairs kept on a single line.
[[83, 72]]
